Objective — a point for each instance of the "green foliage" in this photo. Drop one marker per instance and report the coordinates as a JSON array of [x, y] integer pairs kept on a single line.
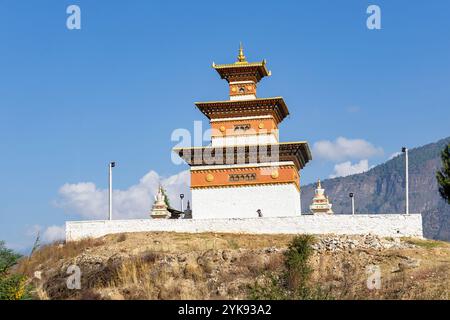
[[296, 261], [428, 243], [294, 282], [8, 258], [443, 176], [12, 286], [166, 198], [270, 290]]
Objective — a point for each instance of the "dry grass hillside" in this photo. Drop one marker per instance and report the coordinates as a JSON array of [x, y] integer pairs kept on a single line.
[[237, 266]]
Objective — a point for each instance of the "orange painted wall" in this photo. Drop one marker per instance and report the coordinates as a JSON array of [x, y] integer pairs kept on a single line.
[[242, 89], [264, 175], [257, 126]]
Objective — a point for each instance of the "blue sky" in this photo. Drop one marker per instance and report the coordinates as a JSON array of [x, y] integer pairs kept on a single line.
[[72, 100]]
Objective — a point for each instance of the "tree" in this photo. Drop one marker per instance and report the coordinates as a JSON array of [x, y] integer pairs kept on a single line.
[[8, 258], [443, 176], [12, 286]]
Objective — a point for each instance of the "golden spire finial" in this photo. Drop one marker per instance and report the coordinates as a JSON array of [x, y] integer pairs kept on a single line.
[[319, 186], [241, 57]]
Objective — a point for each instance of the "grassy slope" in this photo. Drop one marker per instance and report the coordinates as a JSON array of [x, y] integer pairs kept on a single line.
[[209, 266]]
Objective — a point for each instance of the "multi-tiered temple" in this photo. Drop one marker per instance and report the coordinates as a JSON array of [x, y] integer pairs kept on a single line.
[[245, 172]]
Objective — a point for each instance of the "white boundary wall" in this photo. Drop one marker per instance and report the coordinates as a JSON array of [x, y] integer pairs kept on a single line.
[[394, 225]]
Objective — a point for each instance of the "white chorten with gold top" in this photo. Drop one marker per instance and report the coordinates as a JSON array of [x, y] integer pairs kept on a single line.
[[320, 203], [159, 208]]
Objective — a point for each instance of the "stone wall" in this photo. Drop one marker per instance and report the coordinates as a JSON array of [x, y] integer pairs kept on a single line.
[[394, 225]]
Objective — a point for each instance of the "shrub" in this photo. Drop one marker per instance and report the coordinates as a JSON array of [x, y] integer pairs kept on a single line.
[[12, 286], [270, 289], [294, 282], [8, 258], [296, 261]]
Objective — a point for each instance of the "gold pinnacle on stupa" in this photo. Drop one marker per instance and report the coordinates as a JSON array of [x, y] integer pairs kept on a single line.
[[241, 56]]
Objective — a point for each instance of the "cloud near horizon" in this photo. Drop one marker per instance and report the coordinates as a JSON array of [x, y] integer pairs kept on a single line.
[[46, 234], [347, 168], [90, 202], [345, 149]]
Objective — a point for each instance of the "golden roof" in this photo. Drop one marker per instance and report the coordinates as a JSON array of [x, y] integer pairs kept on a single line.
[[258, 69]]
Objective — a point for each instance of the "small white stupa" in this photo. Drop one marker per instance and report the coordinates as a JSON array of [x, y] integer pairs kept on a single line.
[[159, 208], [320, 203]]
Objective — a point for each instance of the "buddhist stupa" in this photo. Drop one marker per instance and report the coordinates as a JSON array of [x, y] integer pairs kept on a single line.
[[320, 203], [159, 209]]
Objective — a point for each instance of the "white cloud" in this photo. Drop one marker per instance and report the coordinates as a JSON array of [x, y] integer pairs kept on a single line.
[[54, 233], [46, 235], [347, 168], [88, 201], [343, 148], [395, 154]]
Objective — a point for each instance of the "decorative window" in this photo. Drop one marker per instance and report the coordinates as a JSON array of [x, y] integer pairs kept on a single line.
[[241, 90], [242, 177], [242, 127]]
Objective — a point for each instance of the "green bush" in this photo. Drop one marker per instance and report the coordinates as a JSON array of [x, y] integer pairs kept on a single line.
[[269, 290], [8, 258], [294, 281], [12, 286], [296, 261]]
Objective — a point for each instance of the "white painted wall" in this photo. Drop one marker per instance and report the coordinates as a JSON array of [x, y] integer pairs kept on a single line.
[[243, 97], [242, 202], [394, 225]]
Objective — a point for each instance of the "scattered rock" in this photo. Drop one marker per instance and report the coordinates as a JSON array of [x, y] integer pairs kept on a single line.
[[350, 243], [38, 275], [226, 255]]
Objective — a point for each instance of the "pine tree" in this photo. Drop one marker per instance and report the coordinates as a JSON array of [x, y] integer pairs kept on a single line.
[[443, 176]]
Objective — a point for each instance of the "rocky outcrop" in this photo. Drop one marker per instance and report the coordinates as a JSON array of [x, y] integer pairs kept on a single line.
[[351, 243]]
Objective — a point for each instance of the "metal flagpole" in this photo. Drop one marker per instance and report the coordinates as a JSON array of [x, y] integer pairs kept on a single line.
[[405, 150], [111, 165], [352, 196], [181, 197]]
